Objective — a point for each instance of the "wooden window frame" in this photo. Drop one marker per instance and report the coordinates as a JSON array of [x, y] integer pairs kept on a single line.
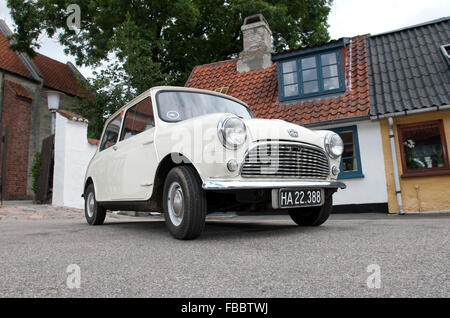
[[423, 172], [322, 91], [355, 173]]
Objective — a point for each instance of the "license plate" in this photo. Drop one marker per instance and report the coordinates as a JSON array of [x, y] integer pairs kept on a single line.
[[291, 198]]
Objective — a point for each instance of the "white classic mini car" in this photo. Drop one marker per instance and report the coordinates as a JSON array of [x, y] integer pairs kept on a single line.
[[188, 152]]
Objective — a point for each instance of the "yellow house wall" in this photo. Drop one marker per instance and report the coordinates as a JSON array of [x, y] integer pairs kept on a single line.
[[419, 194]]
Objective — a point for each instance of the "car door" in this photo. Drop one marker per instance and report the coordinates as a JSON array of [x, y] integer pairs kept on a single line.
[[103, 162], [136, 153]]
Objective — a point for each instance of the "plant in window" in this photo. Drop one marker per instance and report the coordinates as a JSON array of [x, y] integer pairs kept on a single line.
[[410, 143], [439, 156]]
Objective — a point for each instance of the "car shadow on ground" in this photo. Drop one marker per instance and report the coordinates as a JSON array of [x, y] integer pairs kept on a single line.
[[218, 229]]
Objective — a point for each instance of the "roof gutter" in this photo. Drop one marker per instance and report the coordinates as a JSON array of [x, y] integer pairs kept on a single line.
[[310, 50], [410, 112], [336, 121]]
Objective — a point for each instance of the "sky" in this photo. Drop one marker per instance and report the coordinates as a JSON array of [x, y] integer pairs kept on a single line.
[[347, 18]]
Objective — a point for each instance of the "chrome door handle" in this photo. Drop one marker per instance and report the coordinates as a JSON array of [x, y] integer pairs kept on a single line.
[[115, 148]]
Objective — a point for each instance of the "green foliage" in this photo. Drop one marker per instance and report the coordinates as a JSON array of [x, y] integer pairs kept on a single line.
[[35, 170], [158, 42], [112, 90]]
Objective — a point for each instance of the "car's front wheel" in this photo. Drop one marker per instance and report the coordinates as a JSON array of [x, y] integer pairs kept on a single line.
[[312, 216], [93, 211], [184, 203]]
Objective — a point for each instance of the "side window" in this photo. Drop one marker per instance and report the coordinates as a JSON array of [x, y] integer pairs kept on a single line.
[[111, 133], [138, 118]]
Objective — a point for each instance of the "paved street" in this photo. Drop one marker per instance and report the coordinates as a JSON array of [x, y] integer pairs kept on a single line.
[[263, 256]]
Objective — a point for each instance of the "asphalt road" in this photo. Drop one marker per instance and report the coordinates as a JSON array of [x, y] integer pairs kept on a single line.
[[235, 257]]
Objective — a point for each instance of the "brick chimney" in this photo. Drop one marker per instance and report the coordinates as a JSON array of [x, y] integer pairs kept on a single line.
[[257, 44]]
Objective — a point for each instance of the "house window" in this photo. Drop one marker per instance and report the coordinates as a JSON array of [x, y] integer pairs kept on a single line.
[[311, 75], [423, 149], [223, 90], [351, 160]]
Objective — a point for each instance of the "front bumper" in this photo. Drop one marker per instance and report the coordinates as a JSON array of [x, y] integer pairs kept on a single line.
[[270, 184]]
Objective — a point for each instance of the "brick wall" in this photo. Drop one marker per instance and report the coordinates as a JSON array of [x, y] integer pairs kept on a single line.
[[16, 115]]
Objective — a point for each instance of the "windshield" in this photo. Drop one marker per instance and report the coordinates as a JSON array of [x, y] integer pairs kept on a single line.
[[174, 106]]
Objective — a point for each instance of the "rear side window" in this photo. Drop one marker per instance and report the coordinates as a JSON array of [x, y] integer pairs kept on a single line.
[[111, 133], [138, 118]]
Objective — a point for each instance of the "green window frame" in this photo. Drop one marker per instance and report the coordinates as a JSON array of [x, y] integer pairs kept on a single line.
[[311, 75], [353, 160]]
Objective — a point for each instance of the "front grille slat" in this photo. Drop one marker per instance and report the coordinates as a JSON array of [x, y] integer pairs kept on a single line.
[[294, 160]]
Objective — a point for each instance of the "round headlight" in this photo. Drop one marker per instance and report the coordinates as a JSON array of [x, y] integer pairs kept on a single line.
[[334, 145], [232, 132]]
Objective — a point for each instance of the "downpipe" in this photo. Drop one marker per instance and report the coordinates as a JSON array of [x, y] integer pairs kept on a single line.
[[398, 191]]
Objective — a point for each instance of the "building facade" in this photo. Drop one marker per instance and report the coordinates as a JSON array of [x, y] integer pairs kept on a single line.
[[409, 75], [24, 113]]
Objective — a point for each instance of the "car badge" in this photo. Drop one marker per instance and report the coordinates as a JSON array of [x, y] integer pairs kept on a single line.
[[293, 132]]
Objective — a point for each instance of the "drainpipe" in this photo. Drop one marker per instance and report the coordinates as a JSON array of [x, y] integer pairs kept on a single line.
[[395, 166]]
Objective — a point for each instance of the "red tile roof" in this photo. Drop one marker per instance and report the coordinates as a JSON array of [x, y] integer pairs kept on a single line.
[[10, 60], [71, 115], [58, 75], [19, 90], [259, 89]]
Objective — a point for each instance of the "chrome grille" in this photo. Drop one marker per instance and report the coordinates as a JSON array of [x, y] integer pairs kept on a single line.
[[285, 160]]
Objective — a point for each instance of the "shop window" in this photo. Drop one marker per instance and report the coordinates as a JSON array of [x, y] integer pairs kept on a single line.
[[423, 149]]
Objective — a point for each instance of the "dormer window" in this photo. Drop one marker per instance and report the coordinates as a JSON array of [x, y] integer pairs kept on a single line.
[[311, 72], [312, 75]]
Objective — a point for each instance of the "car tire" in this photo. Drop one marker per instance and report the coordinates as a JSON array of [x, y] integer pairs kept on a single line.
[[95, 214], [184, 203], [313, 216]]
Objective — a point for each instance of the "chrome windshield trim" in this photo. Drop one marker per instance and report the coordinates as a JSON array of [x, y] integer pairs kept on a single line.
[[269, 184]]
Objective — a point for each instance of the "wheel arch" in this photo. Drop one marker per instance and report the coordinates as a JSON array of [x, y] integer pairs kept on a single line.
[[88, 182], [169, 162]]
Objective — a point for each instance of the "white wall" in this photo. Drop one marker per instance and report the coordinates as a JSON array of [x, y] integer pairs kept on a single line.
[[372, 187], [72, 155]]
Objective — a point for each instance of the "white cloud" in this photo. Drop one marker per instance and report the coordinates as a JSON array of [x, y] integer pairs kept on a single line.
[[356, 17]]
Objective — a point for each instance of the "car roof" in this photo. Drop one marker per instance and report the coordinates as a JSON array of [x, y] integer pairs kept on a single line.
[[148, 93]]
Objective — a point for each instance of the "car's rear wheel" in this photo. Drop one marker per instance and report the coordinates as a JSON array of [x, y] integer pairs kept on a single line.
[[184, 203], [312, 216], [93, 211]]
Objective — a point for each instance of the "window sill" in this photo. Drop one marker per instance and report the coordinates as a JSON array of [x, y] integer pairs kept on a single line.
[[314, 96], [351, 176], [425, 173]]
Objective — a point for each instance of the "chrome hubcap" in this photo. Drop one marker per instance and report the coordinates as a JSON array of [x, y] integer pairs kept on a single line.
[[90, 204], [175, 203]]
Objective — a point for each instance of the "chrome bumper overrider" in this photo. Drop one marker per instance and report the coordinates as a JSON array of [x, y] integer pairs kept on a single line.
[[259, 184]]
